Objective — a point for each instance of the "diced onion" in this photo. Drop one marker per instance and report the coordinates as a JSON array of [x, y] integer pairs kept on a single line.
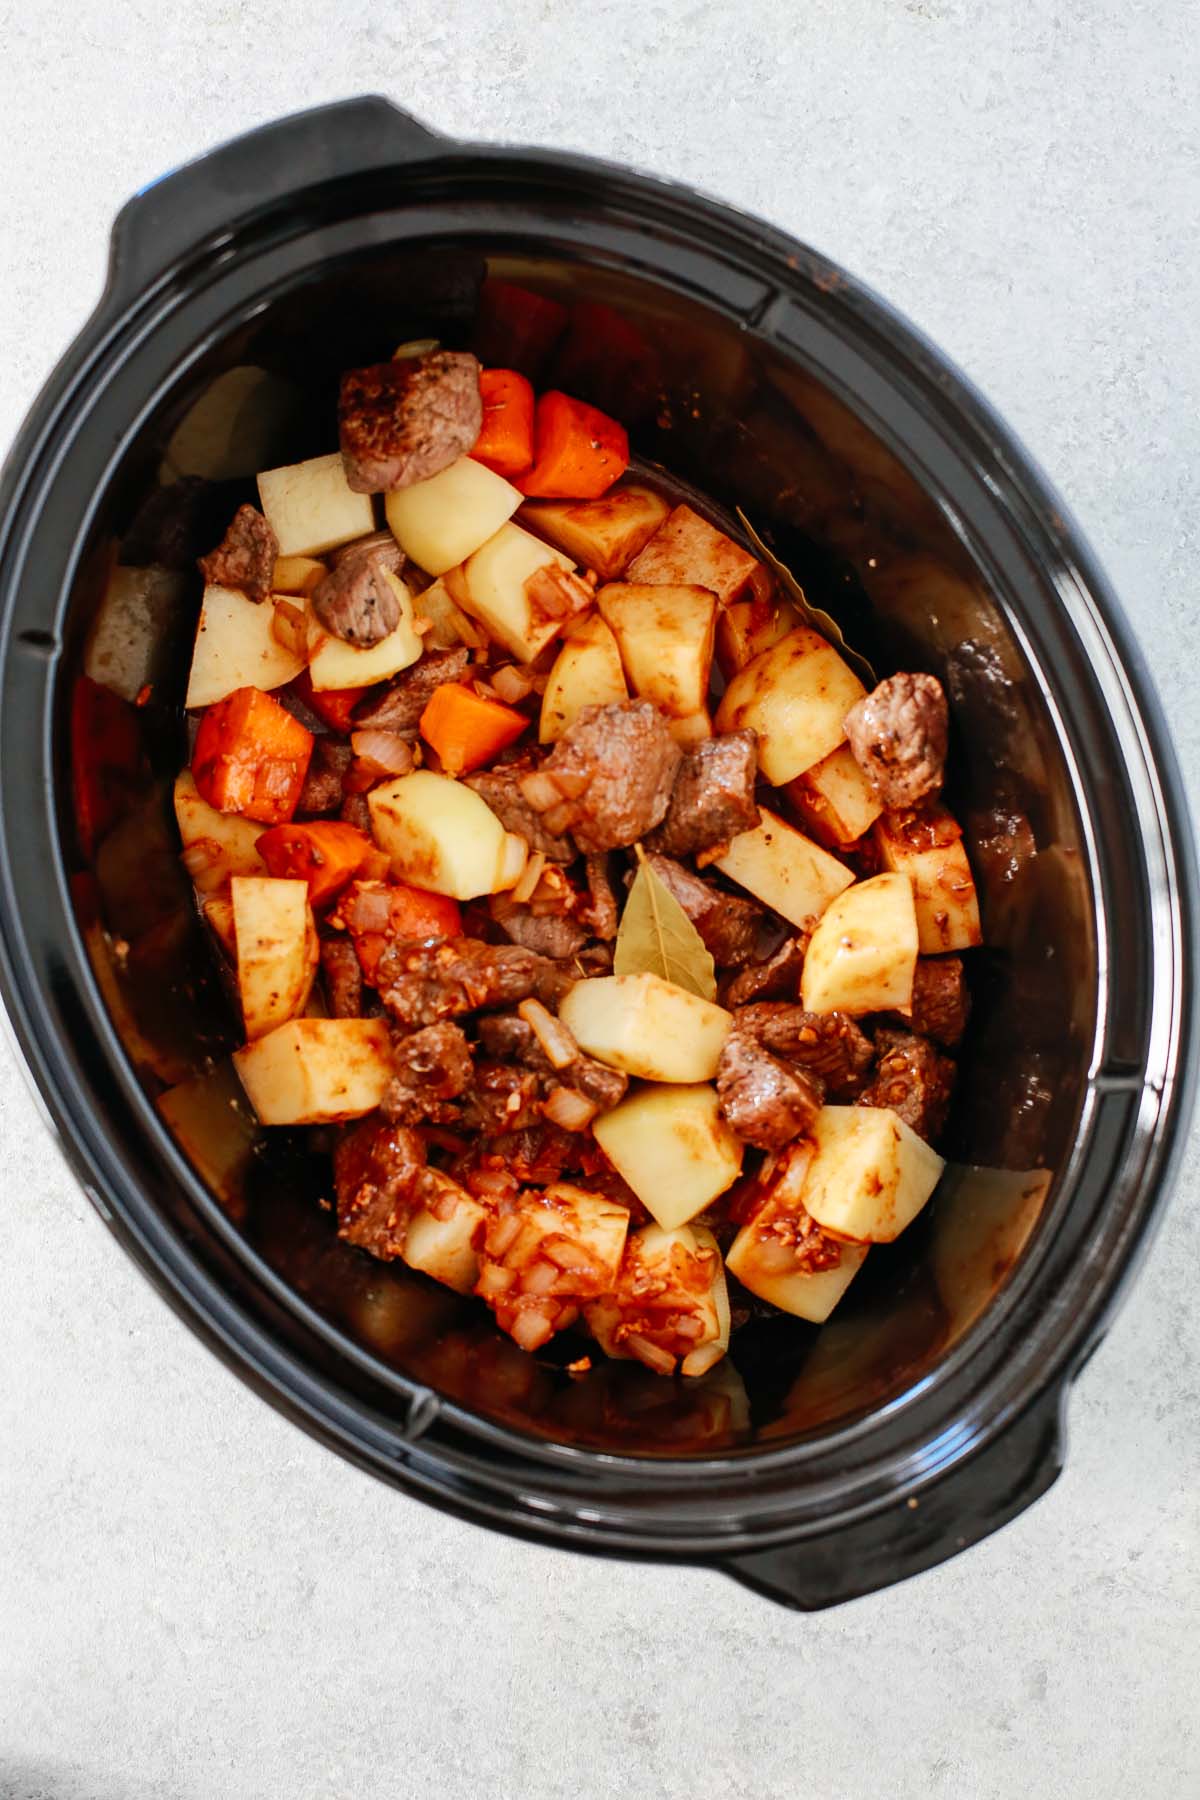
[[661, 1361], [494, 1280], [689, 1326], [529, 880], [414, 347], [539, 1278], [541, 790], [569, 1109], [369, 909], [557, 594], [512, 684], [289, 627], [532, 1326], [502, 1234], [385, 751], [560, 1047]]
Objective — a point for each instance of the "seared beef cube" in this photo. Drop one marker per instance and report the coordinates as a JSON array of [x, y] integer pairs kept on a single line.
[[776, 979], [763, 1100], [400, 706], [608, 779], [713, 797], [601, 914], [509, 1037], [402, 422], [941, 1004], [914, 1079], [734, 930], [341, 972], [356, 602], [501, 788], [245, 557], [603, 1086], [897, 734], [502, 1097], [381, 1181], [549, 934], [829, 1045], [433, 1067], [322, 792], [355, 810], [421, 983]]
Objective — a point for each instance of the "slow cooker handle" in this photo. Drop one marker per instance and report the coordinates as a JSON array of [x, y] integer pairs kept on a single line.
[[921, 1530], [185, 211]]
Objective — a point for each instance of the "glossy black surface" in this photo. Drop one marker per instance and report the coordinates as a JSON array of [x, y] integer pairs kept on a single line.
[[743, 361]]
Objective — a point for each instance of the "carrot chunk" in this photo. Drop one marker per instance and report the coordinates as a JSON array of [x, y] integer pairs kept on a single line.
[[579, 453], [325, 853], [505, 444], [334, 705], [251, 757], [467, 729], [378, 913]]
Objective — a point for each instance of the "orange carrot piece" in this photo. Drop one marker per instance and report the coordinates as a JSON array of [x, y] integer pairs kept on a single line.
[[467, 729], [251, 757], [580, 451], [505, 444], [334, 705], [326, 853], [409, 914]]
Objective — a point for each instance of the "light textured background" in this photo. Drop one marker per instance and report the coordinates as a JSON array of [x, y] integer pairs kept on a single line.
[[197, 1601]]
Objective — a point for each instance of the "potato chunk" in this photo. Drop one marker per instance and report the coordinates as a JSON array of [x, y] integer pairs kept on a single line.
[[603, 534], [235, 648], [796, 696], [547, 1253], [442, 1239], [928, 848], [587, 672], [646, 1026], [443, 836], [311, 508], [834, 799], [332, 663], [863, 953], [442, 521], [317, 1071], [670, 1306], [673, 1147], [216, 845], [748, 627], [784, 869], [493, 590], [276, 948], [870, 1175], [687, 549], [784, 1257], [665, 635]]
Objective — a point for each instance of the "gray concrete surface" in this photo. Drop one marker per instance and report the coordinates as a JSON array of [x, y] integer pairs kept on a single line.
[[196, 1601]]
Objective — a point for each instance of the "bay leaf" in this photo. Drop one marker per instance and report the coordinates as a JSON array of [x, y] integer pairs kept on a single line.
[[656, 937], [813, 616]]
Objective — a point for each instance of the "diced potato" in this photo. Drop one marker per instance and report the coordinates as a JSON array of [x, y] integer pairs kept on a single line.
[[543, 1258], [449, 624], [297, 575], [665, 635], [835, 800], [748, 627], [276, 947], [216, 845], [943, 886], [218, 916], [863, 954], [795, 696], [493, 589], [784, 869], [693, 729], [688, 550], [646, 1026], [311, 507], [804, 1292], [688, 1277], [587, 672], [442, 521], [444, 1246], [442, 836], [870, 1175], [317, 1071], [332, 663], [236, 648], [673, 1147], [600, 534]]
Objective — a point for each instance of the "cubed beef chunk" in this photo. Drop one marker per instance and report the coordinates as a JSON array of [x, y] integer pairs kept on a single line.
[[341, 973], [509, 1038], [830, 1045], [381, 1181], [501, 788], [503, 1097], [941, 1004], [914, 1079], [897, 734], [734, 930], [600, 912], [763, 1100], [322, 792], [400, 706], [608, 779], [778, 978], [245, 557], [402, 422], [713, 797], [355, 810], [433, 1067], [356, 602], [549, 934], [423, 983]]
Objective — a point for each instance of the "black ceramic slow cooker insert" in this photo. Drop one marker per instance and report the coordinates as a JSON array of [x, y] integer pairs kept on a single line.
[[813, 1464]]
